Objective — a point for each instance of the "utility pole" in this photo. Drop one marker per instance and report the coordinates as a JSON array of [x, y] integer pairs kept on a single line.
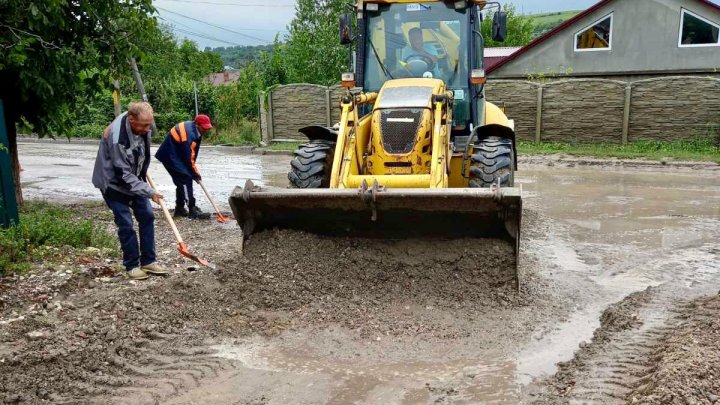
[[196, 101], [141, 89]]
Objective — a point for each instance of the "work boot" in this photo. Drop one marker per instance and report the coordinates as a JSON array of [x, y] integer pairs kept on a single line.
[[180, 211], [155, 269], [137, 274], [196, 213]]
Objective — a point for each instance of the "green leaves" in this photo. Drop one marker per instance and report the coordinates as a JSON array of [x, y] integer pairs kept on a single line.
[[520, 29], [313, 53], [53, 50]]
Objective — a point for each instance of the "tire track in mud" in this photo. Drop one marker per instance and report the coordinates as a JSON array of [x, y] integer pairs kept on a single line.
[[157, 377], [624, 350]]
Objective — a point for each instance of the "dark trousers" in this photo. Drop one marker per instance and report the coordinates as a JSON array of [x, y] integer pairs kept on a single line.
[[120, 204], [184, 188]]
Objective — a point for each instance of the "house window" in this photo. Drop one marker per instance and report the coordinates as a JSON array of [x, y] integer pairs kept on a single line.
[[697, 31], [596, 37]]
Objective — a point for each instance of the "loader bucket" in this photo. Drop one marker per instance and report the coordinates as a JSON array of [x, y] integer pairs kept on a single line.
[[386, 213]]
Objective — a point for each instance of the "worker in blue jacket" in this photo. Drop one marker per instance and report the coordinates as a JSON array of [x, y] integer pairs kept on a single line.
[[178, 153]]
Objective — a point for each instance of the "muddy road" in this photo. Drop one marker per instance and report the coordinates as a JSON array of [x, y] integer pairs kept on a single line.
[[615, 262]]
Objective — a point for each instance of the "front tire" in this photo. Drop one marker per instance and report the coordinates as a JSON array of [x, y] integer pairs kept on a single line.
[[493, 162], [312, 165]]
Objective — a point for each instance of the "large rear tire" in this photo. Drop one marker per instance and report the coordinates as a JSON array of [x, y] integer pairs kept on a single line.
[[312, 165], [493, 162]]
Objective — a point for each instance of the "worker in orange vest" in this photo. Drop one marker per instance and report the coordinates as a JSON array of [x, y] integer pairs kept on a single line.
[[178, 153]]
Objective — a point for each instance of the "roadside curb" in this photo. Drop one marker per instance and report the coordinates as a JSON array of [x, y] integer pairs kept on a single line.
[[263, 151], [561, 160], [573, 161], [77, 141], [241, 149]]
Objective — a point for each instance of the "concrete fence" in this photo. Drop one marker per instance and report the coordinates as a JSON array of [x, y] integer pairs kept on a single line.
[[578, 110], [602, 110], [288, 108]]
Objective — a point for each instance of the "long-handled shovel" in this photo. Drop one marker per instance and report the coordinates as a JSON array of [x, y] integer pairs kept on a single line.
[[182, 247], [220, 217]]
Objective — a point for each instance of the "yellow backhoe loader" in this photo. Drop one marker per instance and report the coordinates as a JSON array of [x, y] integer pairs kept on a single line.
[[418, 150]]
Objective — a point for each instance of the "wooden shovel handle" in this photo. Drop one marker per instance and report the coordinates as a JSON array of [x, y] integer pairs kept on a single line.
[[166, 212], [212, 202]]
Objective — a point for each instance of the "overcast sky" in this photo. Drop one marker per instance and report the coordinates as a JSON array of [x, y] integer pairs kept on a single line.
[[256, 22]]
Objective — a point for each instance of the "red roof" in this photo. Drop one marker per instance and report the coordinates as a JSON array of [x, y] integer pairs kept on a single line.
[[562, 27], [218, 79]]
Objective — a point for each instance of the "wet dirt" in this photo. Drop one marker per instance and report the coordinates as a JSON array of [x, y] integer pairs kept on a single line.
[[373, 317], [686, 365], [309, 319]]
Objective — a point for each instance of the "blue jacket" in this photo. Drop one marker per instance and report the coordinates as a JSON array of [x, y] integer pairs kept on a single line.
[[180, 149]]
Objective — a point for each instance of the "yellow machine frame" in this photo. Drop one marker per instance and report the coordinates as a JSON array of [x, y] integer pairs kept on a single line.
[[354, 164]]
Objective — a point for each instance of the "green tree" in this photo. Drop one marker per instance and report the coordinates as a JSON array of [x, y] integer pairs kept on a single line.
[[520, 28], [53, 50], [195, 63], [313, 53]]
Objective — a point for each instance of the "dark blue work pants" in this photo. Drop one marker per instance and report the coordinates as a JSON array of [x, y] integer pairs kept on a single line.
[[120, 204], [184, 188]]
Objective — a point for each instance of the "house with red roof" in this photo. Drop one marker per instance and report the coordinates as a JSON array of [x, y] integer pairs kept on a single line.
[[624, 39]]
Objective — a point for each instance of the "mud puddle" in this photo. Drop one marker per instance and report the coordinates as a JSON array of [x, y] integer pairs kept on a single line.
[[62, 172]]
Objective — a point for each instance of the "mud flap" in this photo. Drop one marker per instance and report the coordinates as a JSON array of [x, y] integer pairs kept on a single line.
[[376, 212]]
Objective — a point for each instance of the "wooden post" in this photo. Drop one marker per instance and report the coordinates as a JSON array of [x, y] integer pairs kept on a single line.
[[116, 98], [538, 117], [626, 117], [141, 89]]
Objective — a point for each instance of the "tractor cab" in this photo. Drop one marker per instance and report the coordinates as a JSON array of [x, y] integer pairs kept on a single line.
[[434, 40]]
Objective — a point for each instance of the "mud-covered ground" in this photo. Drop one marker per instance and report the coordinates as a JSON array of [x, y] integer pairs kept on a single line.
[[89, 335], [619, 267], [79, 332]]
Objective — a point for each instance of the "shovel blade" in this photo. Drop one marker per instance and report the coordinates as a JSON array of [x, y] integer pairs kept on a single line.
[[185, 252]]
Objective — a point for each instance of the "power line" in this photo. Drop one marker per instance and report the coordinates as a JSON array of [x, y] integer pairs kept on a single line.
[[195, 34], [216, 26], [233, 4], [241, 29], [190, 31]]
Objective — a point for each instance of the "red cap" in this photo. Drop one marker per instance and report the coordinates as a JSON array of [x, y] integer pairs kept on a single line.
[[203, 122]]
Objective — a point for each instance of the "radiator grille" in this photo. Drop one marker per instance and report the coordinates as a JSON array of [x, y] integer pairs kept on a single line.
[[399, 129]]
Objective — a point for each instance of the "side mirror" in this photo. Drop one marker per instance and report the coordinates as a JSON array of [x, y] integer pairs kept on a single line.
[[499, 31], [345, 30]]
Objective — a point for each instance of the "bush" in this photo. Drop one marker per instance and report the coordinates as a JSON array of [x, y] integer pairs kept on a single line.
[[245, 132], [87, 131], [42, 224], [165, 121]]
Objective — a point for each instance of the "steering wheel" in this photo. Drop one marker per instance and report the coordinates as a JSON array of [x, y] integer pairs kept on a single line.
[[418, 64]]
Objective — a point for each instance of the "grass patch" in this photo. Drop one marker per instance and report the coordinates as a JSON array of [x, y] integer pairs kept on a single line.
[[43, 225], [700, 149], [555, 17], [287, 146], [244, 133]]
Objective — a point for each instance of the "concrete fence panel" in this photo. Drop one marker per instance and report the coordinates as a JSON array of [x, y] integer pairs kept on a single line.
[[336, 93], [573, 110], [671, 108], [520, 100], [583, 110], [295, 106]]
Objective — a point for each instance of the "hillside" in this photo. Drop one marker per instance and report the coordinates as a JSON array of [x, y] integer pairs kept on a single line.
[[239, 56], [547, 21]]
